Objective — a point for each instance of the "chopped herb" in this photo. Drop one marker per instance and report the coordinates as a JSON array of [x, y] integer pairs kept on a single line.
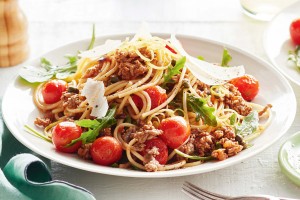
[[226, 58], [200, 57], [192, 157], [249, 125], [294, 57], [94, 126], [232, 119], [202, 110], [172, 71]]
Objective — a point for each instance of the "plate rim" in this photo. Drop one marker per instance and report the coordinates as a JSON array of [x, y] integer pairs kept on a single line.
[[171, 173], [265, 46]]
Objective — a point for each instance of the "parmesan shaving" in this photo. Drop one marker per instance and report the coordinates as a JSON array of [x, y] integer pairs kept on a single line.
[[101, 50], [206, 72], [94, 92]]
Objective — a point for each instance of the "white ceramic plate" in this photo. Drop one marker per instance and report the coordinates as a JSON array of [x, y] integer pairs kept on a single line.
[[18, 108], [277, 41]]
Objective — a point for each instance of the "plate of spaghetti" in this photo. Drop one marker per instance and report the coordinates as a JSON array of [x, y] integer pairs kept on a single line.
[[148, 105]]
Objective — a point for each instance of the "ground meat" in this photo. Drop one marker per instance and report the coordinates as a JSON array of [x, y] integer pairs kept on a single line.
[[130, 65], [232, 147], [152, 166], [71, 100], [235, 101], [219, 154], [106, 132], [204, 143], [42, 122], [220, 143], [146, 132], [84, 151], [96, 69], [202, 89]]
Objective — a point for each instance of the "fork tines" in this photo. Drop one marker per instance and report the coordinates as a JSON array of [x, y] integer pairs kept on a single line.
[[197, 193]]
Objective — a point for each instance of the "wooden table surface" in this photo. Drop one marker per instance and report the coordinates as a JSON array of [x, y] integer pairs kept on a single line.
[[57, 22]]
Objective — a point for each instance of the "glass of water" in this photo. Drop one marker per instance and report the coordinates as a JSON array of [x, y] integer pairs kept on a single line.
[[264, 10]]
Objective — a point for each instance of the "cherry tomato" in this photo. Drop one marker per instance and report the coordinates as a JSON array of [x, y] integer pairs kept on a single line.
[[295, 31], [157, 95], [53, 90], [247, 85], [175, 131], [162, 157], [106, 150], [63, 133]]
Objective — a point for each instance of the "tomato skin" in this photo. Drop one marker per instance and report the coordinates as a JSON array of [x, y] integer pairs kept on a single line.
[[106, 150], [63, 133], [295, 31], [157, 95], [52, 91], [248, 86], [175, 131], [162, 157]]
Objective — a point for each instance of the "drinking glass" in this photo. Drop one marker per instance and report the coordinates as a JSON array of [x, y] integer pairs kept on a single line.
[[264, 10]]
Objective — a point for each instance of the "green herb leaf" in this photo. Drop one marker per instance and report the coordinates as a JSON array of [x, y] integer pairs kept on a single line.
[[172, 71], [248, 125], [94, 127], [200, 57], [46, 64], [226, 58], [92, 42], [192, 157], [200, 107], [294, 57], [232, 119]]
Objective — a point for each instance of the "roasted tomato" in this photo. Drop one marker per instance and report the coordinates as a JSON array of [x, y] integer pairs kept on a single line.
[[247, 85], [295, 31], [162, 157], [62, 135], [106, 150], [157, 95], [52, 91], [175, 131]]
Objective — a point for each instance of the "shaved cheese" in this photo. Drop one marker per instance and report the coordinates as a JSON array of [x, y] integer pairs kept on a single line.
[[205, 71], [142, 33], [94, 92], [101, 50]]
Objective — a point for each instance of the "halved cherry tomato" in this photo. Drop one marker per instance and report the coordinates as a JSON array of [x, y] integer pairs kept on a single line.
[[295, 31], [175, 131], [106, 150], [162, 157], [248, 86], [157, 95], [52, 91], [63, 133]]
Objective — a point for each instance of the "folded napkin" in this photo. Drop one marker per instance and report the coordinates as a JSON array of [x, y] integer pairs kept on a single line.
[[25, 176]]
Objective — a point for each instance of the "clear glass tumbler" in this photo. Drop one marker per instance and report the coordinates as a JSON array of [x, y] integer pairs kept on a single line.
[[264, 10]]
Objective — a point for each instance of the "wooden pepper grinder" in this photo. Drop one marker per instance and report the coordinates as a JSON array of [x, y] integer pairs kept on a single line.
[[13, 34]]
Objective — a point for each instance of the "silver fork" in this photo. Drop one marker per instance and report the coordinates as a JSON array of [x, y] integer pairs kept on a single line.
[[197, 193]]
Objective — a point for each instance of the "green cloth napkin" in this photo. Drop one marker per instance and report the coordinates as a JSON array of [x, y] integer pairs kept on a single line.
[[25, 176]]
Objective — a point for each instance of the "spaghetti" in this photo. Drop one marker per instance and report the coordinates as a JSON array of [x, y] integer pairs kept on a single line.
[[213, 114]]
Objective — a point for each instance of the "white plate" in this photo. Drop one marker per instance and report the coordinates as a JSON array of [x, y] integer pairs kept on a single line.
[[277, 41], [18, 108]]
